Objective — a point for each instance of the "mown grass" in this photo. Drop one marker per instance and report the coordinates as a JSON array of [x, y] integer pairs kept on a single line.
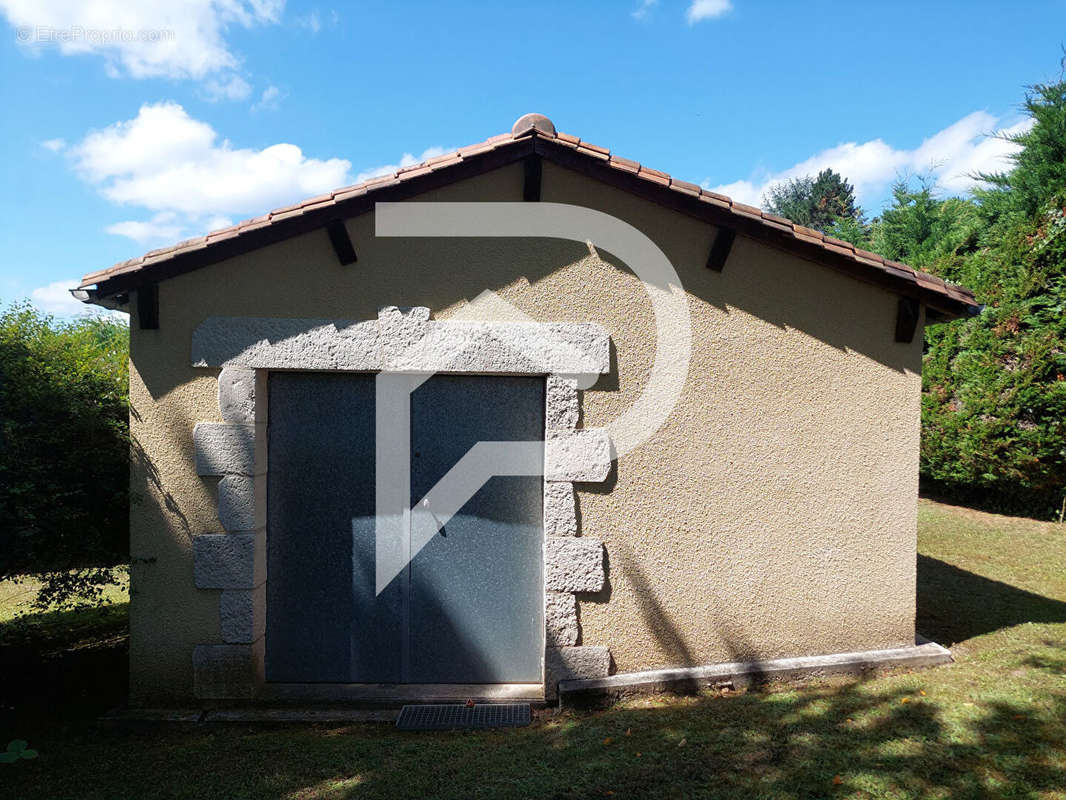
[[59, 665], [46, 630], [991, 725]]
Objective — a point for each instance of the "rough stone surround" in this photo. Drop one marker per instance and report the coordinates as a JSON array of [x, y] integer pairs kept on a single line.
[[399, 340], [234, 561]]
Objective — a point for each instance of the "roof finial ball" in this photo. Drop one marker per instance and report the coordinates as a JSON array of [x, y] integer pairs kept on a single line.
[[527, 123]]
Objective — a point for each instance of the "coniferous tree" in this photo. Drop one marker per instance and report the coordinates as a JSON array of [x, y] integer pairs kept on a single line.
[[994, 386], [815, 202]]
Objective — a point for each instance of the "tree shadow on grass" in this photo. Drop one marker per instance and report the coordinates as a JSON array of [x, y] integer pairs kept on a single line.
[[71, 663], [824, 741], [955, 605], [846, 739], [850, 739]]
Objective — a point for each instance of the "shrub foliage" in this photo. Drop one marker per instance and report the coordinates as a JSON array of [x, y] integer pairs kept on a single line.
[[64, 450], [994, 405]]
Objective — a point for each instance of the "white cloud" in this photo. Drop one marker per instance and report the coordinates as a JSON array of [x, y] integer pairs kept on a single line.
[[161, 228], [269, 100], [645, 7], [217, 222], [167, 162], [233, 87], [951, 156], [144, 39], [407, 160], [189, 181], [700, 10], [163, 159], [54, 145], [56, 299]]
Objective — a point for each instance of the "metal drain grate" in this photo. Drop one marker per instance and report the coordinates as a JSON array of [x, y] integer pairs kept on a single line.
[[452, 716]]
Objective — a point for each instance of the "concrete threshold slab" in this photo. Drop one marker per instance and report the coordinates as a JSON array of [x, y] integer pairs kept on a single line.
[[119, 717], [151, 716], [744, 673], [395, 695], [328, 715]]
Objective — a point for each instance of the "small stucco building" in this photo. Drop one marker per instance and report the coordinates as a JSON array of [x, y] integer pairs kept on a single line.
[[699, 422]]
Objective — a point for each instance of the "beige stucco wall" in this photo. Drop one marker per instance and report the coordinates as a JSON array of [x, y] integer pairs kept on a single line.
[[773, 514]]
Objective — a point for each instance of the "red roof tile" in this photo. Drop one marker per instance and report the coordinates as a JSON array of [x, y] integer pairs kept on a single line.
[[748, 219]]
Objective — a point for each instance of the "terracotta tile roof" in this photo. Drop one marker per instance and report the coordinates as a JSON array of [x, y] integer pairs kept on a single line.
[[532, 135]]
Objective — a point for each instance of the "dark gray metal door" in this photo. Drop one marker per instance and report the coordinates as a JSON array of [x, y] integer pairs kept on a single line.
[[323, 621], [469, 606], [477, 596]]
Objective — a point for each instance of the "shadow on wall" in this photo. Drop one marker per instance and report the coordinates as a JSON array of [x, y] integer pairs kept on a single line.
[[659, 622], [952, 605], [146, 473], [782, 290], [791, 293], [955, 605]]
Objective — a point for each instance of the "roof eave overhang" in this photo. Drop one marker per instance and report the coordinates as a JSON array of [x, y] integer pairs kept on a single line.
[[107, 290], [278, 230], [91, 295], [759, 229]]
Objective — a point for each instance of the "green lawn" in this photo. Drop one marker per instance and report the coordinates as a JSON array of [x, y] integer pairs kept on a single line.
[[991, 725]]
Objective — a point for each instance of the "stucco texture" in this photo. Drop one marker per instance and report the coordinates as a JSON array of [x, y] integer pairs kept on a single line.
[[772, 515]]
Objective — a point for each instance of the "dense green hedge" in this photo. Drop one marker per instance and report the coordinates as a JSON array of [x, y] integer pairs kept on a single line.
[[994, 405], [994, 387], [64, 449]]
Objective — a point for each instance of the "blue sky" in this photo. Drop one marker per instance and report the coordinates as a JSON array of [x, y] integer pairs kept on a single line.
[[201, 113]]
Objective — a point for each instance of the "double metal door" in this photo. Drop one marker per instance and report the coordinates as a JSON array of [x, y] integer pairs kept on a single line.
[[468, 607]]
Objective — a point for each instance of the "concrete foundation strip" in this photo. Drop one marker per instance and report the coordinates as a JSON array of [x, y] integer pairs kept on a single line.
[[743, 673], [922, 655]]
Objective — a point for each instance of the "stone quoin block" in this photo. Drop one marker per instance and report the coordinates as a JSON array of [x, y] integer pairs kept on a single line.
[[242, 614], [223, 449], [577, 455], [238, 509], [560, 509], [570, 663], [560, 619], [236, 395], [573, 564], [229, 560], [561, 412], [227, 671]]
